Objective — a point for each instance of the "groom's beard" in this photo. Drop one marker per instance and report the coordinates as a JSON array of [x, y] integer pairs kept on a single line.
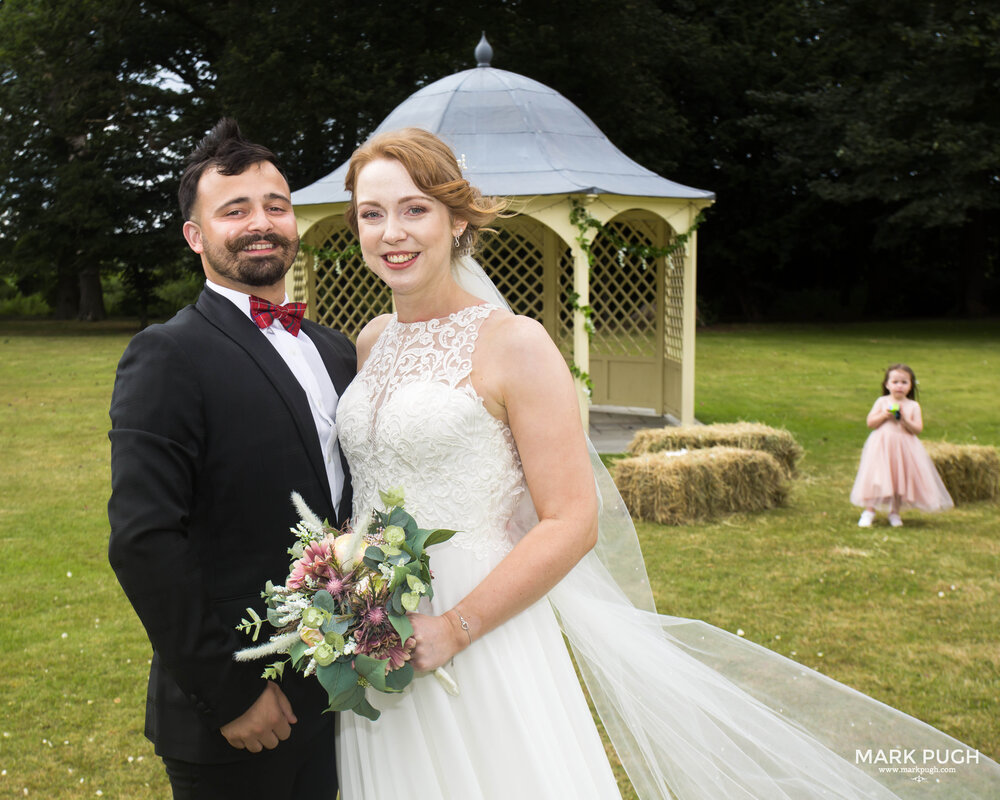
[[253, 270]]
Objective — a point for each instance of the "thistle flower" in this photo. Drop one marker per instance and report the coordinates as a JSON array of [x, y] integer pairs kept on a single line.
[[377, 638]]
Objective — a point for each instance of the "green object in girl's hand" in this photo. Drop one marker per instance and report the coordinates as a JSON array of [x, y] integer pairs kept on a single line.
[[894, 408]]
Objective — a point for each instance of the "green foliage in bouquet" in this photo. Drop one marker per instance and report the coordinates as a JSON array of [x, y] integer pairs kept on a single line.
[[341, 613]]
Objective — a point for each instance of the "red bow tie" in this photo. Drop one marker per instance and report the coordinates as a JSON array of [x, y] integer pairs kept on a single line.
[[265, 313]]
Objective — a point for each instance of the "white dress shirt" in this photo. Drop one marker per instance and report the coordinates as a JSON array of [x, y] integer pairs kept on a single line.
[[306, 364]]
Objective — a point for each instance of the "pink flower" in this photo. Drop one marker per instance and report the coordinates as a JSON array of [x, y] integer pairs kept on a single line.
[[339, 586], [314, 564]]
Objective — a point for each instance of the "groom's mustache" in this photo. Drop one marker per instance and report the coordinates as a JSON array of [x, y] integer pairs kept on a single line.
[[237, 245]]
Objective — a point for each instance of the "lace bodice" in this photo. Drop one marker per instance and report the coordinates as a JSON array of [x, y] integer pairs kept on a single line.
[[412, 418]]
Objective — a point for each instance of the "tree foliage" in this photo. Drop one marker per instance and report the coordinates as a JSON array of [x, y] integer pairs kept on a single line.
[[898, 117], [853, 146]]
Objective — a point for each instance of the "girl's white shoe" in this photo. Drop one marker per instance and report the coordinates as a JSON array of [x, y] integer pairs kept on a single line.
[[866, 519], [895, 521]]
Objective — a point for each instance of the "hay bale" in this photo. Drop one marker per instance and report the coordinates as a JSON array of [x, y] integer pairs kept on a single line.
[[746, 435], [700, 484], [970, 471]]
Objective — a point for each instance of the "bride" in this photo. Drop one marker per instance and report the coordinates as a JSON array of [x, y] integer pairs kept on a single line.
[[473, 412]]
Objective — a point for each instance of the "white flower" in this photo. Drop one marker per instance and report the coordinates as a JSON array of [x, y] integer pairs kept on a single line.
[[348, 548]]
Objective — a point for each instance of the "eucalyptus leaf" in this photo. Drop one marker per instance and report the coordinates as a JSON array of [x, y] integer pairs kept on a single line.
[[274, 617], [367, 710], [338, 623], [401, 623], [337, 678], [399, 517], [417, 542], [438, 536], [323, 599], [399, 679], [348, 699], [372, 670], [296, 652]]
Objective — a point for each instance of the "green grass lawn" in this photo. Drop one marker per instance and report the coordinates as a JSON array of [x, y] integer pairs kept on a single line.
[[908, 615]]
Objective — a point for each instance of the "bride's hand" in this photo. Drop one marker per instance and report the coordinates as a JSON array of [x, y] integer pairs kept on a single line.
[[435, 640]]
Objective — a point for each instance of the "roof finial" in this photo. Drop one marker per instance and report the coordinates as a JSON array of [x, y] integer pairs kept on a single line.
[[483, 53]]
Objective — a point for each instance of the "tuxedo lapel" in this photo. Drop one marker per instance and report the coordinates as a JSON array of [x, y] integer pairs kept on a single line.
[[221, 313]]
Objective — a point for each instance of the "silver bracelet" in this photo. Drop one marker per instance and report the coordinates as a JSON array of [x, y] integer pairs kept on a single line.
[[465, 626]]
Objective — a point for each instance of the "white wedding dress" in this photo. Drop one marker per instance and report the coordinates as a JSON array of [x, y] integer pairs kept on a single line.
[[520, 727], [693, 712]]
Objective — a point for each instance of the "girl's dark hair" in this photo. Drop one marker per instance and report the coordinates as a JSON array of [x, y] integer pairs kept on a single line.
[[224, 149], [912, 394]]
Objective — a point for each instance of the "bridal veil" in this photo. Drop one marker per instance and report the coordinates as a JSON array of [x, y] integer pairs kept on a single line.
[[696, 713]]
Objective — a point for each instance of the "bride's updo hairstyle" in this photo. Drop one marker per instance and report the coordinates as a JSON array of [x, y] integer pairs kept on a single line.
[[434, 169]]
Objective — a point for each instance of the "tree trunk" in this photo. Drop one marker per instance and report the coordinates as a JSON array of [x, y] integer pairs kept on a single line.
[[91, 295], [67, 299], [974, 265]]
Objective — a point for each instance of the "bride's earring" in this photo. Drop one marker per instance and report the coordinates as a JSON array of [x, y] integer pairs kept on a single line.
[[457, 243]]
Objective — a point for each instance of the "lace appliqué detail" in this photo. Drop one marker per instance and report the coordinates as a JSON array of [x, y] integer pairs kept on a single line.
[[412, 418]]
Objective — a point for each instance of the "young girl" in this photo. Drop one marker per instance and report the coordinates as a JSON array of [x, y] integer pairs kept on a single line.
[[895, 471]]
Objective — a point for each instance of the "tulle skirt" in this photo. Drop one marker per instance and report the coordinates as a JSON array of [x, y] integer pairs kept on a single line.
[[520, 727], [896, 470]]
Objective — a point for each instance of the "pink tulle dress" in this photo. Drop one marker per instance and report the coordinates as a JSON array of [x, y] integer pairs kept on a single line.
[[895, 464]]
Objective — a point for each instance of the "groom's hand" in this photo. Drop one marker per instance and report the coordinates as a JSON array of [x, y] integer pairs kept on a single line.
[[267, 722]]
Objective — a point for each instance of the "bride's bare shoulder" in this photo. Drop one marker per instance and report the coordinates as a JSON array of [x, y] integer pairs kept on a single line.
[[520, 340]]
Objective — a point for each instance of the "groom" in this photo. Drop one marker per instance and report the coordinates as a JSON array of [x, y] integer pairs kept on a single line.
[[217, 417]]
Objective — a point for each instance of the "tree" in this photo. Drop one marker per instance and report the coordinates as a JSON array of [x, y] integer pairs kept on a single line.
[[901, 122], [82, 150]]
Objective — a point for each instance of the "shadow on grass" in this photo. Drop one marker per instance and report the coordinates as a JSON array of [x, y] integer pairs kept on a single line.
[[35, 326]]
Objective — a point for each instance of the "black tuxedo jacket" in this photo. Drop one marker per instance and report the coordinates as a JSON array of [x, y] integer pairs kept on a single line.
[[210, 435]]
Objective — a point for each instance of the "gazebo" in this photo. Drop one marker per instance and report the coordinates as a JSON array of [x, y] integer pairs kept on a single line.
[[622, 314]]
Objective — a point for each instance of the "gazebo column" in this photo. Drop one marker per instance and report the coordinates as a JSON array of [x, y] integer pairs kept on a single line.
[[307, 286], [689, 322], [581, 339]]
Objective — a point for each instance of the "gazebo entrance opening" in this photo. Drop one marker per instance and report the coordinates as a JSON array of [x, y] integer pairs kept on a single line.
[[637, 343]]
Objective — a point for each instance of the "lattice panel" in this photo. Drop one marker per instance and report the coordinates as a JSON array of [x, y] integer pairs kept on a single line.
[[673, 297], [513, 258], [296, 285], [564, 282], [623, 293], [348, 294]]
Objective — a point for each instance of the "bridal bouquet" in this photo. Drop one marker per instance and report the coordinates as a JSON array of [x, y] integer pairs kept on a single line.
[[341, 613]]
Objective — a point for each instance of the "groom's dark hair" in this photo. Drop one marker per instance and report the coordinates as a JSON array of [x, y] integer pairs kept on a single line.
[[226, 150]]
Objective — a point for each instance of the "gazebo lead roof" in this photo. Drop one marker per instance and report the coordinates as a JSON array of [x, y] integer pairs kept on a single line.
[[516, 137]]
